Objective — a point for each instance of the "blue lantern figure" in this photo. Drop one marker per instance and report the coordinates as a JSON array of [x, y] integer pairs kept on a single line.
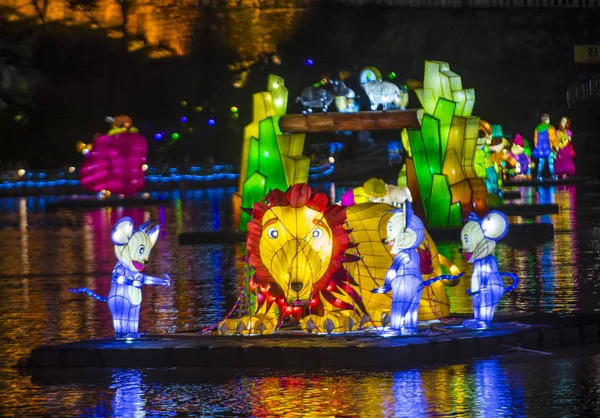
[[405, 234], [545, 143], [479, 238], [132, 248]]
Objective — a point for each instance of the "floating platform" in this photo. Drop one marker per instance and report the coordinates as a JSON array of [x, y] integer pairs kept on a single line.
[[549, 181], [358, 350], [529, 233], [511, 194], [528, 210], [94, 203], [539, 232], [353, 122]]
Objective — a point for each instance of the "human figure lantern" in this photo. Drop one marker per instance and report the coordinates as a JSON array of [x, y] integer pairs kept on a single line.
[[564, 165], [479, 237], [544, 142], [383, 93], [517, 151], [115, 162], [132, 248], [405, 234]]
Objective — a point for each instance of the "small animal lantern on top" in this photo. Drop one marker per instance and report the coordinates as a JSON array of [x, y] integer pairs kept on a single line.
[[383, 93], [132, 248], [317, 96], [405, 234], [479, 237], [120, 124], [345, 98]]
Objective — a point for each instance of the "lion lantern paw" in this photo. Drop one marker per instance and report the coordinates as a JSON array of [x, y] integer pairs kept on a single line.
[[329, 323], [377, 318], [248, 325]]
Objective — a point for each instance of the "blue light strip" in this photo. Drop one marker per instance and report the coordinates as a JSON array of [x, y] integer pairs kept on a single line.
[[191, 177], [28, 182]]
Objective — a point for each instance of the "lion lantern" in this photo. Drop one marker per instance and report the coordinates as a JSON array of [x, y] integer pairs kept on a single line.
[[318, 263]]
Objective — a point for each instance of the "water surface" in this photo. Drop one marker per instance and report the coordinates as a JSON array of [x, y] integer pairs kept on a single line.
[[43, 254]]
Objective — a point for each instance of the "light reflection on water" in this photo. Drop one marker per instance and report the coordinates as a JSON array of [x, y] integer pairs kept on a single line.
[[519, 386], [43, 254]]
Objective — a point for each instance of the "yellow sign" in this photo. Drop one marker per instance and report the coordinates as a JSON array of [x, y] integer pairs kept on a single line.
[[587, 54]]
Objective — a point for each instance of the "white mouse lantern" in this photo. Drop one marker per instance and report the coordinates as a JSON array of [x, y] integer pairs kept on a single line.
[[132, 248], [479, 237]]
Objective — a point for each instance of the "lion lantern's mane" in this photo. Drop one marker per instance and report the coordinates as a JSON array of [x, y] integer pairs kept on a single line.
[[335, 278]]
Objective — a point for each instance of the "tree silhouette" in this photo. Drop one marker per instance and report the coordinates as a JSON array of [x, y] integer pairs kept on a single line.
[[86, 8], [41, 7]]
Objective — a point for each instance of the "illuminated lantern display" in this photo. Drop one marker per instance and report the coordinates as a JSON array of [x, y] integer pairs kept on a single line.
[[517, 151], [482, 151], [479, 237], [441, 172], [564, 166], [500, 155], [376, 190], [405, 234], [132, 248], [121, 124], [316, 97], [115, 161], [382, 93], [318, 263], [296, 244], [369, 228], [270, 160], [544, 142], [498, 162], [493, 180], [345, 98]]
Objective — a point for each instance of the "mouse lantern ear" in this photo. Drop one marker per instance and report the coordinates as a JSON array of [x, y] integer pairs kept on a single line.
[[494, 225], [122, 231]]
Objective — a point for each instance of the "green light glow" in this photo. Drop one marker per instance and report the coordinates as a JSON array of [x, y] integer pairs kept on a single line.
[[444, 112], [254, 191], [438, 204], [443, 149]]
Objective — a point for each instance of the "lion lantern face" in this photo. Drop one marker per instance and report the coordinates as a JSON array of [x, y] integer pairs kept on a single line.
[[295, 253], [296, 244]]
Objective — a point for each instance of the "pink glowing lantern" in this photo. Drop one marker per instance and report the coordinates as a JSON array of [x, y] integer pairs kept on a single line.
[[115, 164]]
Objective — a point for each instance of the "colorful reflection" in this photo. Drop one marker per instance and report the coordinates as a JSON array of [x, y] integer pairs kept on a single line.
[[55, 251], [129, 400], [486, 388], [490, 387], [550, 271]]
